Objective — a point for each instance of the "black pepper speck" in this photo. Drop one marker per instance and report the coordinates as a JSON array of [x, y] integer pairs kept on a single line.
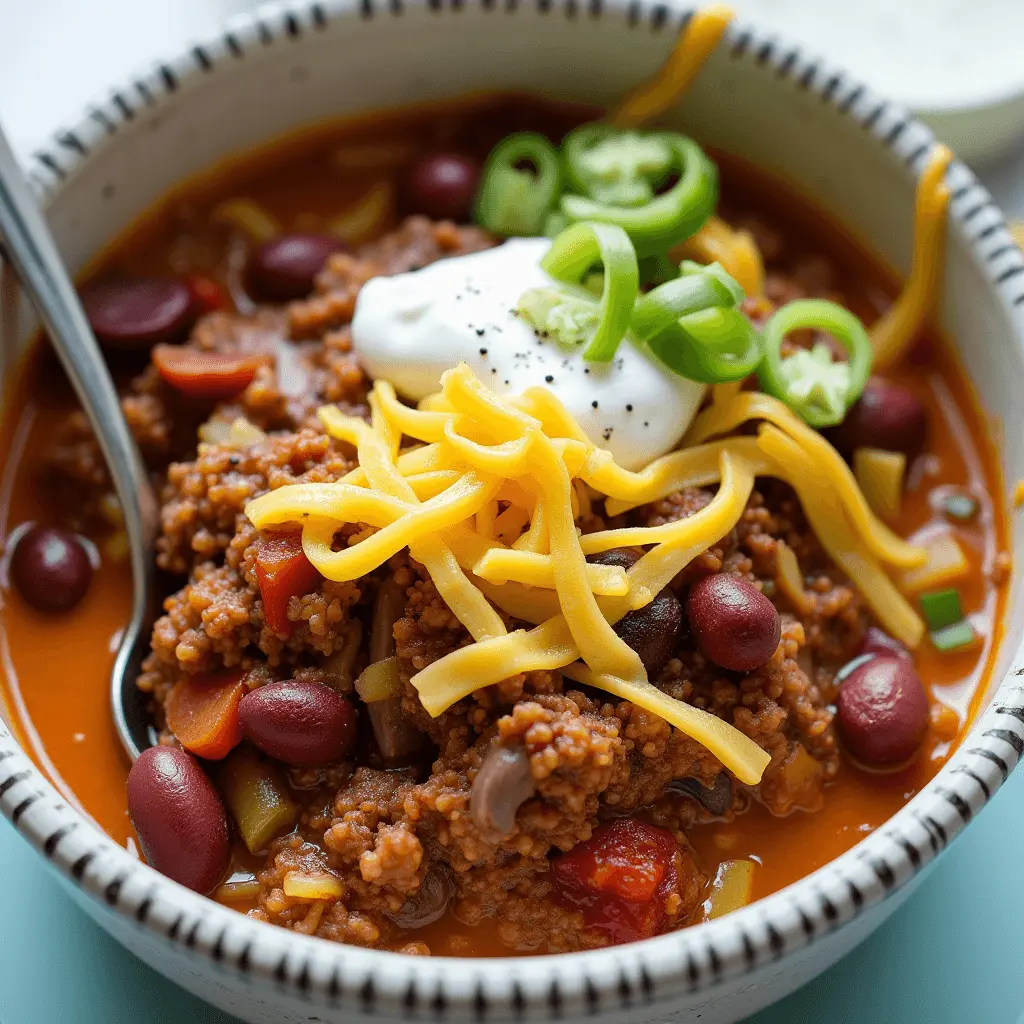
[[629, 407], [483, 351], [594, 403], [480, 332], [548, 378]]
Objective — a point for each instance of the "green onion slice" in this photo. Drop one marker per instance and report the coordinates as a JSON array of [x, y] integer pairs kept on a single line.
[[815, 387], [513, 200], [658, 222], [617, 167], [942, 608], [954, 638], [692, 325], [571, 257]]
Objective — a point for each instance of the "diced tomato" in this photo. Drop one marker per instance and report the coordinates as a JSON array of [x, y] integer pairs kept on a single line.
[[206, 374], [620, 879], [283, 572], [207, 295], [202, 711]]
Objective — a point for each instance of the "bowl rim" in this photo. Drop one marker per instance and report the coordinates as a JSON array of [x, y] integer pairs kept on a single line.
[[653, 971]]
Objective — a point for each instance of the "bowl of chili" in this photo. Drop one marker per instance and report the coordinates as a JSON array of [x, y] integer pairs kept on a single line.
[[757, 101]]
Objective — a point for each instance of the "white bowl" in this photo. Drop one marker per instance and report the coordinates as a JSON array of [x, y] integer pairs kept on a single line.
[[758, 98]]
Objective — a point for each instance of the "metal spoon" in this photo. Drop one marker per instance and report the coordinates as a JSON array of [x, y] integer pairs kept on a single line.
[[27, 244]]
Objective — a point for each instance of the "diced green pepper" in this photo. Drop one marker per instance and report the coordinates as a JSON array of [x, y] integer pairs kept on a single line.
[[257, 797], [818, 389], [942, 608]]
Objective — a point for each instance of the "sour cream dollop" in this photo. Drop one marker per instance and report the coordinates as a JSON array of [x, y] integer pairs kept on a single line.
[[410, 328]]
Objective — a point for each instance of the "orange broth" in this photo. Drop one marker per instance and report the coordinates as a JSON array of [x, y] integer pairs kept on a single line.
[[55, 671]]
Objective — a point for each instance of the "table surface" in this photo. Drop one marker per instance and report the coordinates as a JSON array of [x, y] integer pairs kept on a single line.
[[951, 955]]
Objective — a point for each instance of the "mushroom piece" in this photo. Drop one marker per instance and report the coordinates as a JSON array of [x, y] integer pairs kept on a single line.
[[398, 739], [429, 901], [716, 799], [500, 788]]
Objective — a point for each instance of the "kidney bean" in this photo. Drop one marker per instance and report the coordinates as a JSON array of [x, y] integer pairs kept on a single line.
[[179, 818], [139, 312], [443, 186], [301, 724], [428, 902], [882, 711], [284, 268], [652, 631], [885, 416], [734, 624], [50, 568], [623, 558], [717, 798], [877, 641]]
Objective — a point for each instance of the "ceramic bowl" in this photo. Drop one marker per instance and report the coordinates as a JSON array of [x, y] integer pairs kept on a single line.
[[759, 98]]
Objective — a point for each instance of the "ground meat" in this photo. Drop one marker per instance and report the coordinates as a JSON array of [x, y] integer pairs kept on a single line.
[[417, 242], [203, 500], [396, 839]]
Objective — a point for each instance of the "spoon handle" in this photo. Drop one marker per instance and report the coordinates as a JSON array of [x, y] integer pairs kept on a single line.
[[31, 250], [25, 240]]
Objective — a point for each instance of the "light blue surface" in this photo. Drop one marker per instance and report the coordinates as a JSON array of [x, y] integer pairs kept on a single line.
[[952, 955]]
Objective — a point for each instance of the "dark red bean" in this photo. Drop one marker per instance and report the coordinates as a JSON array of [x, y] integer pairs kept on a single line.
[[284, 268], [734, 624], [429, 901], [652, 631], [717, 798], [877, 641], [624, 558], [50, 568], [179, 818], [443, 186], [139, 312], [885, 416], [301, 724], [882, 711]]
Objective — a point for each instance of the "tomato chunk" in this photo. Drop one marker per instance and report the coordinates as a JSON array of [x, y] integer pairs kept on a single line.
[[206, 374], [620, 879], [202, 711], [207, 295], [283, 572]]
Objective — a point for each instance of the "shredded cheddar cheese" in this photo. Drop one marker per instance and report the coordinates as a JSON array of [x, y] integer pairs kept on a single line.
[[486, 495], [695, 45], [893, 334], [734, 249]]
